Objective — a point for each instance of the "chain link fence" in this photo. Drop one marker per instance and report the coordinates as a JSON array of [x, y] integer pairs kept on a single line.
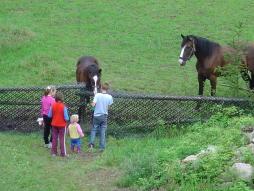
[[130, 113]]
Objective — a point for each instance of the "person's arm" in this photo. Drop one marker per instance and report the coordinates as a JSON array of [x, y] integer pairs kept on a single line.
[[80, 132], [66, 116], [94, 100], [110, 102], [41, 108]]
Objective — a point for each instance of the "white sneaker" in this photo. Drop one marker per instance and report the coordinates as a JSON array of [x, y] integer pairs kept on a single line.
[[91, 147], [49, 146]]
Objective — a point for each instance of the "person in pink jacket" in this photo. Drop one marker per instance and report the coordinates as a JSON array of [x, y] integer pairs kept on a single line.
[[46, 102]]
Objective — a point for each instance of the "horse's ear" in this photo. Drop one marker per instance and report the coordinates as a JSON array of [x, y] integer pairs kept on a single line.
[[182, 36], [191, 39], [193, 42], [100, 71]]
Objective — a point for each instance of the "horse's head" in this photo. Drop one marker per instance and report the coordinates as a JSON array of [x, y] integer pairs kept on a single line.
[[187, 49], [94, 75]]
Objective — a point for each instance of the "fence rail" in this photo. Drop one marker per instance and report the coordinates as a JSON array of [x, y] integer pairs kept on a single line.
[[130, 113]]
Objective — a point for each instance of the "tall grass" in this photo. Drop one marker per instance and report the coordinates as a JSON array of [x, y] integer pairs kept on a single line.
[[154, 162]]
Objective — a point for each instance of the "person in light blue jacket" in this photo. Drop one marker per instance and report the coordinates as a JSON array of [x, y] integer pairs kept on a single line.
[[101, 103]]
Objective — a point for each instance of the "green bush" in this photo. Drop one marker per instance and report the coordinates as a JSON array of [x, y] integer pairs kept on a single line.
[[158, 164]]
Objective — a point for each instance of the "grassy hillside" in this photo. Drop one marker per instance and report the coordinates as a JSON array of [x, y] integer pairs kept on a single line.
[[137, 42]]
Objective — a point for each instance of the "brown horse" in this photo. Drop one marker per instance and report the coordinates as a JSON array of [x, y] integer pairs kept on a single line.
[[89, 72], [211, 55]]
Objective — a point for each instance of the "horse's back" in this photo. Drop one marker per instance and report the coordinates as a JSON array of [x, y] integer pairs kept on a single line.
[[220, 57], [228, 55], [87, 60], [228, 50], [246, 52]]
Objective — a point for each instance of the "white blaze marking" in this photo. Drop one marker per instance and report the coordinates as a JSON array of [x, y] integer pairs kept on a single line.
[[181, 55], [95, 78]]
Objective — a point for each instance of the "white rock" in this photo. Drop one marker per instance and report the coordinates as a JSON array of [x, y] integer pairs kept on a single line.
[[250, 136], [243, 171], [251, 147], [210, 149], [190, 158]]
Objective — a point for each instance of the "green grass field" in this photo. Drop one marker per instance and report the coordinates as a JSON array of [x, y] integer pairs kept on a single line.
[[141, 163], [137, 42]]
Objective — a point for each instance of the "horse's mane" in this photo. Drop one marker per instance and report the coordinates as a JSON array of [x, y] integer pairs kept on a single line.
[[204, 46]]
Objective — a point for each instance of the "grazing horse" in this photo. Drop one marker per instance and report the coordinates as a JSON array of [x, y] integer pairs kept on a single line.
[[89, 72], [210, 55]]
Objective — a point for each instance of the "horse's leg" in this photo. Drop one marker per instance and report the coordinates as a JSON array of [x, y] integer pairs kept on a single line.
[[252, 81], [89, 89], [201, 80], [89, 113], [81, 108], [213, 82]]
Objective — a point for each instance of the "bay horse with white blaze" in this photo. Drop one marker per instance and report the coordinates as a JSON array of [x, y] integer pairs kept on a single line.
[[89, 72], [211, 55]]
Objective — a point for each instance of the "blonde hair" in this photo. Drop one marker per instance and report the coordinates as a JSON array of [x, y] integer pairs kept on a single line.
[[52, 89], [49, 89], [74, 118]]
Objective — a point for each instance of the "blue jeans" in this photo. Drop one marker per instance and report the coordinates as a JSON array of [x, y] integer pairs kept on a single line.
[[77, 143], [100, 124]]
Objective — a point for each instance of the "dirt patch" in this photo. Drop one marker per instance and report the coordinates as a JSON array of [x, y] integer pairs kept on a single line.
[[94, 179], [104, 179]]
